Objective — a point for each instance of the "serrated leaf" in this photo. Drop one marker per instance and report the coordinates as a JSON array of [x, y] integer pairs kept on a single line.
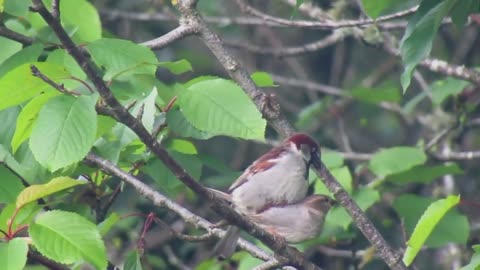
[[27, 118], [64, 131], [417, 41], [182, 127], [35, 192], [263, 79], [426, 224], [221, 107], [68, 238], [13, 254], [13, 93], [17, 7], [122, 58], [396, 159]]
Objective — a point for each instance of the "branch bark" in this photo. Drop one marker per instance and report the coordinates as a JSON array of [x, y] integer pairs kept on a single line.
[[192, 18]]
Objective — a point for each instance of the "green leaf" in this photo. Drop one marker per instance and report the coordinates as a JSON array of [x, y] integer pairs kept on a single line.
[[221, 107], [10, 187], [395, 160], [64, 59], [24, 215], [423, 174], [17, 7], [474, 261], [29, 54], [132, 262], [9, 48], [64, 131], [13, 254], [374, 8], [375, 96], [68, 238], [12, 93], [426, 224], [442, 89], [122, 58], [7, 126], [182, 127], [462, 9], [27, 118], [35, 192], [344, 178], [364, 197], [177, 67], [332, 159], [182, 146], [108, 223], [87, 22], [417, 41], [165, 178], [263, 79], [411, 207]]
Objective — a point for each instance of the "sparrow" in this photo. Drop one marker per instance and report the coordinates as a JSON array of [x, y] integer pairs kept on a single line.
[[279, 177], [296, 222]]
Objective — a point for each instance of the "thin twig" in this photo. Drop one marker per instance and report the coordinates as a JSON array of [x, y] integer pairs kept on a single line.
[[37, 73], [283, 127], [326, 24], [332, 39], [160, 200]]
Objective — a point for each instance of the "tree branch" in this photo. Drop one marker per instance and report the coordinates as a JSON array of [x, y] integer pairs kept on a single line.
[[5, 32], [325, 23], [283, 127], [170, 37], [160, 200]]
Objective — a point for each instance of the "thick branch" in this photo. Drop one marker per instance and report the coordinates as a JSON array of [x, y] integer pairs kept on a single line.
[[5, 32], [160, 200], [294, 257], [170, 37], [191, 17]]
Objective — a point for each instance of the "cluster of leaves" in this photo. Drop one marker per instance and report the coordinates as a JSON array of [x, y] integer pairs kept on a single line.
[[45, 134]]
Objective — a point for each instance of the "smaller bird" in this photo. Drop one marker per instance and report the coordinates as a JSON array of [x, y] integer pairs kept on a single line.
[[279, 177], [296, 222]]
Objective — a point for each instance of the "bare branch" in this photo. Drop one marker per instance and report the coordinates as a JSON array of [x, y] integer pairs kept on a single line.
[[325, 23], [37, 73], [166, 17], [170, 37], [160, 200], [56, 9], [283, 127], [332, 39], [5, 32]]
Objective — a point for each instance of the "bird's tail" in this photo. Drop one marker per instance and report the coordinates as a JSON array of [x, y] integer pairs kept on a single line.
[[226, 246]]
